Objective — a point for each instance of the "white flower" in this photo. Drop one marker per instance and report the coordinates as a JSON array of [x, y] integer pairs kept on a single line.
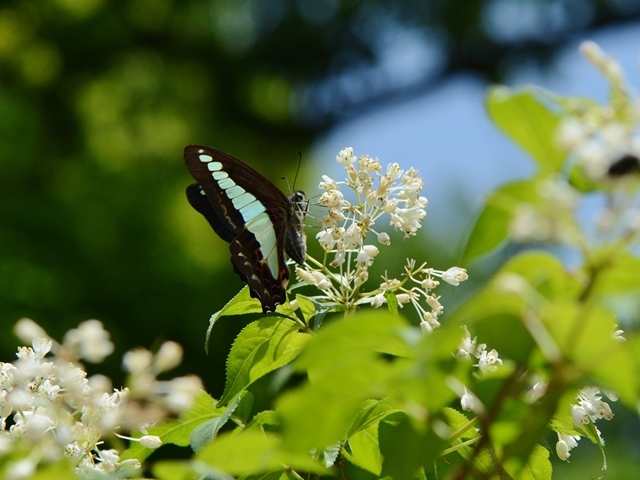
[[426, 327], [90, 340], [433, 302], [41, 346], [572, 133], [150, 441], [409, 220], [455, 275], [180, 392], [346, 156], [393, 172], [565, 444], [361, 278], [339, 259], [580, 416], [384, 238], [537, 391], [371, 251], [168, 357], [378, 300], [487, 361], [326, 238], [592, 51], [429, 284], [137, 360], [327, 183], [470, 403], [403, 298], [363, 260], [594, 157], [27, 330]]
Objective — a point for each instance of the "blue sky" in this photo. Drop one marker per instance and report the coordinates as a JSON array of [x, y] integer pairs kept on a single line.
[[447, 135]]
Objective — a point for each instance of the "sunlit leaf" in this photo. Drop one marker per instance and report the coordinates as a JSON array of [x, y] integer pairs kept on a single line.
[[365, 450], [177, 431], [260, 348], [528, 122], [252, 452], [492, 225], [207, 431], [538, 467], [241, 304]]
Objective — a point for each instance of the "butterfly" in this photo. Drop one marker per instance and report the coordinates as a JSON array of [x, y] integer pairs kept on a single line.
[[259, 222]]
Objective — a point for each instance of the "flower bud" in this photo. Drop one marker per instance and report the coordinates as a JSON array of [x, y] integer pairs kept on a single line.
[[384, 238], [26, 330], [150, 441], [168, 356]]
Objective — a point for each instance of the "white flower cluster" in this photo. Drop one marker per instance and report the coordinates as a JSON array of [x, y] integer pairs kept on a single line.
[[347, 226], [600, 135], [50, 410], [549, 220], [487, 361], [590, 407]]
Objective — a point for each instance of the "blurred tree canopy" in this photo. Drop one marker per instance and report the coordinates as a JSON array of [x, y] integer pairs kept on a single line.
[[98, 99]]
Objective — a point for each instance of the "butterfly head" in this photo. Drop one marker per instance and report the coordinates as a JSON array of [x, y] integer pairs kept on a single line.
[[300, 204]]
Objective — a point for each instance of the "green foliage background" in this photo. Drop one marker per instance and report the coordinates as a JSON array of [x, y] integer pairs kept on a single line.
[[98, 99]]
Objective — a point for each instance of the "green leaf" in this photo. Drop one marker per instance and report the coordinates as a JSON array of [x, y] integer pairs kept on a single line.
[[277, 475], [62, 470], [241, 304], [182, 470], [364, 334], [365, 450], [335, 399], [392, 302], [524, 118], [331, 454], [261, 347], [177, 431], [585, 336], [619, 275], [345, 367], [493, 223], [458, 421], [266, 417], [314, 311], [406, 446], [545, 273], [251, 452], [538, 466], [362, 448], [594, 436], [208, 430], [371, 413], [307, 307]]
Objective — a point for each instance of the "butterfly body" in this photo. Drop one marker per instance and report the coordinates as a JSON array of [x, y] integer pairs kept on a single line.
[[247, 211]]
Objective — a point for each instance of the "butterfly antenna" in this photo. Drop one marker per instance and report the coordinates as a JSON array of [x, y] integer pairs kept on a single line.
[[296, 176]]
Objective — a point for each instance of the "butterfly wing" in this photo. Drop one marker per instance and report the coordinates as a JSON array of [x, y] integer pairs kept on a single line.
[[248, 211], [199, 201]]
